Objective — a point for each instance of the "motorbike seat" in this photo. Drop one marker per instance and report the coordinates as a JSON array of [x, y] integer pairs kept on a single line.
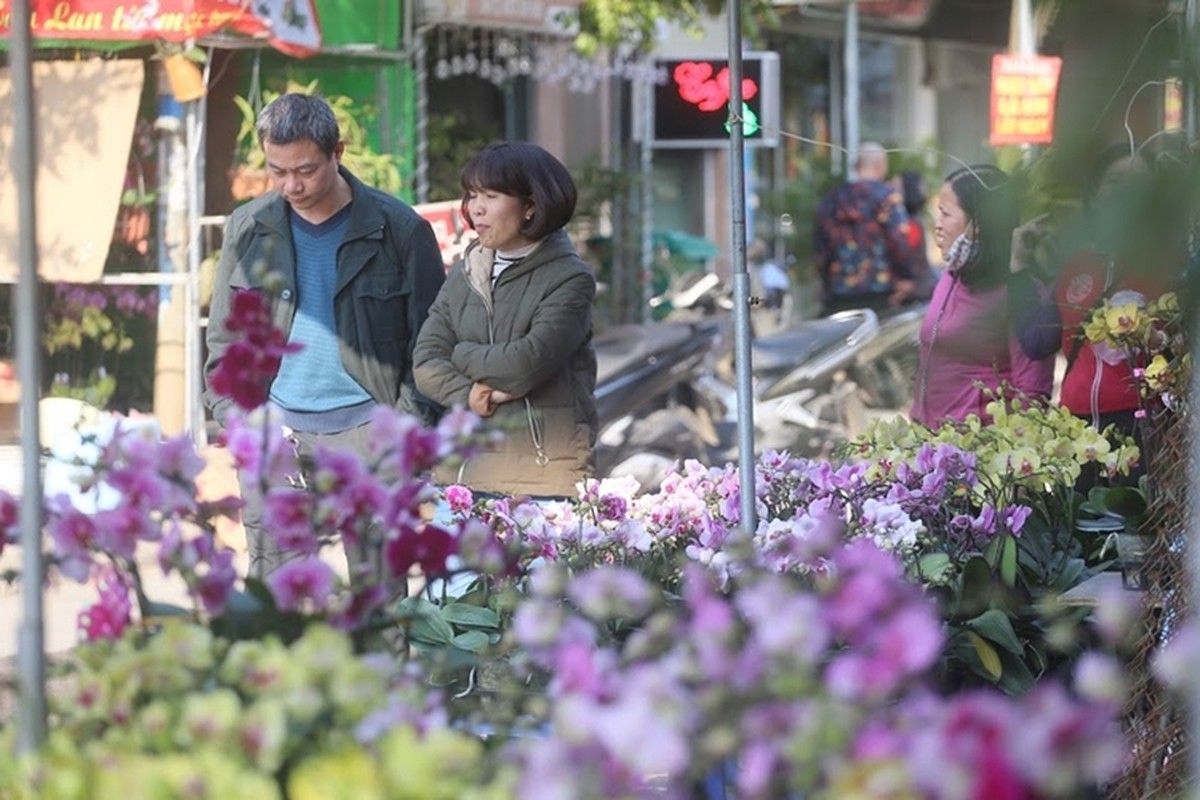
[[626, 347], [809, 339]]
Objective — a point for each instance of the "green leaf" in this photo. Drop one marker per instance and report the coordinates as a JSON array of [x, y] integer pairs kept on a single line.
[[987, 655], [1017, 678], [977, 586], [425, 621], [471, 641], [467, 614], [257, 589], [155, 609], [995, 626], [1073, 573], [934, 567], [431, 630], [1008, 561], [1124, 501], [417, 606], [239, 602]]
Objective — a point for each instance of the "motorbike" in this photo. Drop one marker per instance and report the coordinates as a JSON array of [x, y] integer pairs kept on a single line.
[[885, 368], [819, 382], [804, 399], [652, 412], [666, 391]]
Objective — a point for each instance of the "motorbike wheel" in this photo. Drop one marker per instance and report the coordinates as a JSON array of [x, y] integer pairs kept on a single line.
[[887, 383]]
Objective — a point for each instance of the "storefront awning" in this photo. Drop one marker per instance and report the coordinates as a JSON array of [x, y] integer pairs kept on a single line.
[[897, 14], [534, 16], [287, 25]]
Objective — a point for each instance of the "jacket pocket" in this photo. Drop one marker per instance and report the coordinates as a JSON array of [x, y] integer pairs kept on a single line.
[[382, 304]]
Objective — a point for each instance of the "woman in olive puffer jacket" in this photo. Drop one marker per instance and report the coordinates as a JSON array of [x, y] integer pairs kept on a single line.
[[510, 333]]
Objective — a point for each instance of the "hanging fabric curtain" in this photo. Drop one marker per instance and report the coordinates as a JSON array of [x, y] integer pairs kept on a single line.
[[288, 25]]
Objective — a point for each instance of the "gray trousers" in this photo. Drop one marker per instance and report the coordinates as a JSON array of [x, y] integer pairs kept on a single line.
[[364, 559]]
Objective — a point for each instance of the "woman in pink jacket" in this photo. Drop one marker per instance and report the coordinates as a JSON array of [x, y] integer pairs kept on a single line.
[[968, 346]]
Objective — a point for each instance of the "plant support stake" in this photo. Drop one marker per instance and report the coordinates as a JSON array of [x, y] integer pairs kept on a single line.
[[31, 667], [741, 278]]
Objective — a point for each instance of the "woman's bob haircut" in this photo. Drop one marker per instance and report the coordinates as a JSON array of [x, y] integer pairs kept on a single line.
[[528, 172]]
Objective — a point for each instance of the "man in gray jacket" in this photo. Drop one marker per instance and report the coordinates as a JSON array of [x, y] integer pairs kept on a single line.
[[350, 273]]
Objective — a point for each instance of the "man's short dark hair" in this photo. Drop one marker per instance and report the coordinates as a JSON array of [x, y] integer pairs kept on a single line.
[[526, 171], [295, 117]]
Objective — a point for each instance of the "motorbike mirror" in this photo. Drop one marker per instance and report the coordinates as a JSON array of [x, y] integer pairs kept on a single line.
[[690, 296]]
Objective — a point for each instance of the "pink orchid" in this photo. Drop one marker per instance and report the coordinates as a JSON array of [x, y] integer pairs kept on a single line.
[[302, 582], [109, 616]]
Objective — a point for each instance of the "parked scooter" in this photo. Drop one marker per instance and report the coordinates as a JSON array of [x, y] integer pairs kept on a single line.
[[885, 368], [804, 399], [818, 383], [651, 410]]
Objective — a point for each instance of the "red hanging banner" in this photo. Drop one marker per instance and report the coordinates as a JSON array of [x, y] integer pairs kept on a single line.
[[1024, 92], [290, 26]]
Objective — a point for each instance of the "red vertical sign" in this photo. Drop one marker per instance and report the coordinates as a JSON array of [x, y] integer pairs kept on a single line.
[[1024, 92]]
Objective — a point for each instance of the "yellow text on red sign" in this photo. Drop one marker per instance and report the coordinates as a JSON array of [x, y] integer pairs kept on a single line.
[[1024, 91]]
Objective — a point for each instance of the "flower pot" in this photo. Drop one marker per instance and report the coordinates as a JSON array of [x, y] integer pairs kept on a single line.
[[185, 78], [133, 227], [1131, 556]]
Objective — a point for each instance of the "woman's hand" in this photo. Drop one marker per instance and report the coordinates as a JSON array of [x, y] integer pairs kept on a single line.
[[1025, 242], [500, 397], [484, 400], [480, 399]]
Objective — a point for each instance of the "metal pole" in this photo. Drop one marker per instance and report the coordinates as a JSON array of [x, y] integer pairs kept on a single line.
[[1190, 89], [837, 122], [1024, 41], [195, 114], [1191, 92], [421, 78], [741, 278], [645, 94], [1193, 690], [619, 274], [850, 97], [31, 666]]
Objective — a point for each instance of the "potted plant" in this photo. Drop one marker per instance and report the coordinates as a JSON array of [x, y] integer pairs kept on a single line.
[[182, 67], [135, 213], [1119, 512], [248, 177]]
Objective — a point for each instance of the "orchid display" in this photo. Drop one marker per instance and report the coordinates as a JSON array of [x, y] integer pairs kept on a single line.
[[1151, 337], [622, 644], [183, 713]]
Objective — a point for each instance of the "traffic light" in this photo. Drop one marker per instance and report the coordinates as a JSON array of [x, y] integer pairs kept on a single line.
[[691, 109]]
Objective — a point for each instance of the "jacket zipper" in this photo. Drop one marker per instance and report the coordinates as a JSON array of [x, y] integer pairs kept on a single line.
[[536, 432]]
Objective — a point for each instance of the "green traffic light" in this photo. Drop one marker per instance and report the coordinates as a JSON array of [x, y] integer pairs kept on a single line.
[[749, 121]]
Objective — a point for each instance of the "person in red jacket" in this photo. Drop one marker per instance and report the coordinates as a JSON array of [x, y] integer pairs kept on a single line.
[[1099, 382]]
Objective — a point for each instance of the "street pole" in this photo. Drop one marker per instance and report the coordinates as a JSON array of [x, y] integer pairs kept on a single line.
[[1191, 92], [850, 96], [31, 666], [170, 355], [193, 410], [1023, 42], [421, 79], [741, 278], [620, 281], [1191, 95], [644, 94]]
